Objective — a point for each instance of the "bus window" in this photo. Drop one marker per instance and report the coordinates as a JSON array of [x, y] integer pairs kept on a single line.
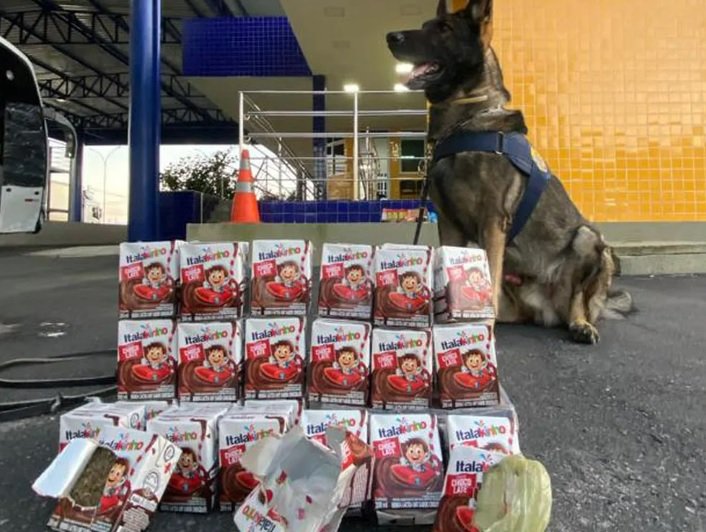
[[23, 144], [25, 148]]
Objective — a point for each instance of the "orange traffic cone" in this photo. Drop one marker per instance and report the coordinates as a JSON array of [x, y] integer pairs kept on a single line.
[[245, 208]]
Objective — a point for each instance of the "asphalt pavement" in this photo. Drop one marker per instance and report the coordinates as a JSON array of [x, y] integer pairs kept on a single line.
[[620, 426]]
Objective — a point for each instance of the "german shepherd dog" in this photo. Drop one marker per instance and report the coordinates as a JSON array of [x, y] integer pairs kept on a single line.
[[558, 270]]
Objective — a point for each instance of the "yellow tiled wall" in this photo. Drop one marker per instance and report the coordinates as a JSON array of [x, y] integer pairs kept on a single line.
[[614, 94]]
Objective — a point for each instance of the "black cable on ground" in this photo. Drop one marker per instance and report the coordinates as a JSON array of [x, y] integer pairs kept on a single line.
[[15, 410]]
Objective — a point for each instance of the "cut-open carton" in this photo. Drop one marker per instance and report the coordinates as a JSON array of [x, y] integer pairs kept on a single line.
[[131, 491], [304, 486]]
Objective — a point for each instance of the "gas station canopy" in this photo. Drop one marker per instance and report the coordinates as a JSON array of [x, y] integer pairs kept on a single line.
[[80, 51]]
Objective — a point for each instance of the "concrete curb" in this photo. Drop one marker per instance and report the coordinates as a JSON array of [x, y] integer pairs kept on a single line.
[[662, 258], [643, 249], [66, 234], [626, 249], [669, 264]]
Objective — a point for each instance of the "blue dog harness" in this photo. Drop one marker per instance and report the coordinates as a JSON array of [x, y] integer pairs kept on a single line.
[[517, 149]]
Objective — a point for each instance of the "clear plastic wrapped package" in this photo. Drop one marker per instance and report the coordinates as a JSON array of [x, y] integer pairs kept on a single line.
[[489, 486], [516, 496]]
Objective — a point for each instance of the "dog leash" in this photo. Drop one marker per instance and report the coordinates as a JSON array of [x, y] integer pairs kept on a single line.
[[422, 208], [425, 192]]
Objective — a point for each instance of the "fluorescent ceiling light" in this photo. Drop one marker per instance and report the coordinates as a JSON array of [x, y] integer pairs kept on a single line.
[[351, 87], [399, 87], [404, 68]]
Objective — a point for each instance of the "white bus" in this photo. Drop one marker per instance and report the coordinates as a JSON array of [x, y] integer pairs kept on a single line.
[[23, 144]]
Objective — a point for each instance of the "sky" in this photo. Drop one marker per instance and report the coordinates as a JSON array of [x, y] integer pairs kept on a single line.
[[110, 165]]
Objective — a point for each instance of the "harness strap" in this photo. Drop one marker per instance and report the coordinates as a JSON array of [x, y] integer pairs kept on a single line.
[[517, 149]]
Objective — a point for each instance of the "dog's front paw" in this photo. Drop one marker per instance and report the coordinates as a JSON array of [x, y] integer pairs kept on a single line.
[[584, 332]]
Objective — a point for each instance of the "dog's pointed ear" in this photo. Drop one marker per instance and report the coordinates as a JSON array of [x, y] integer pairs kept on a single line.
[[441, 9], [480, 10], [481, 13]]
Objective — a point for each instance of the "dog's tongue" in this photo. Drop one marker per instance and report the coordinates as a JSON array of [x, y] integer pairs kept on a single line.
[[421, 70]]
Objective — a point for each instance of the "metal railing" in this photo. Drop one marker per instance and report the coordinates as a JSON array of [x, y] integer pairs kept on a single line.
[[294, 158]]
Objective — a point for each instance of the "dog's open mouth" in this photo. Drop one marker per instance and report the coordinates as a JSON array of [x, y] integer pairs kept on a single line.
[[423, 73]]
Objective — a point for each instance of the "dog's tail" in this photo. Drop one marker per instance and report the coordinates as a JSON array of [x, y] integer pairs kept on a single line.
[[618, 305]]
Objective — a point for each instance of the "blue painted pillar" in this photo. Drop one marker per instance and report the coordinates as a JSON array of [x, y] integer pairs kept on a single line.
[[76, 198], [157, 99], [319, 126], [144, 124]]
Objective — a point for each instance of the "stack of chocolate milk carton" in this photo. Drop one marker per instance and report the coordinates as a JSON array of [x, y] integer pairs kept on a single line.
[[431, 347], [478, 432], [147, 351], [372, 346], [340, 337], [212, 355], [275, 334], [338, 384], [184, 314], [180, 307], [464, 347], [180, 340], [275, 359], [403, 431]]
